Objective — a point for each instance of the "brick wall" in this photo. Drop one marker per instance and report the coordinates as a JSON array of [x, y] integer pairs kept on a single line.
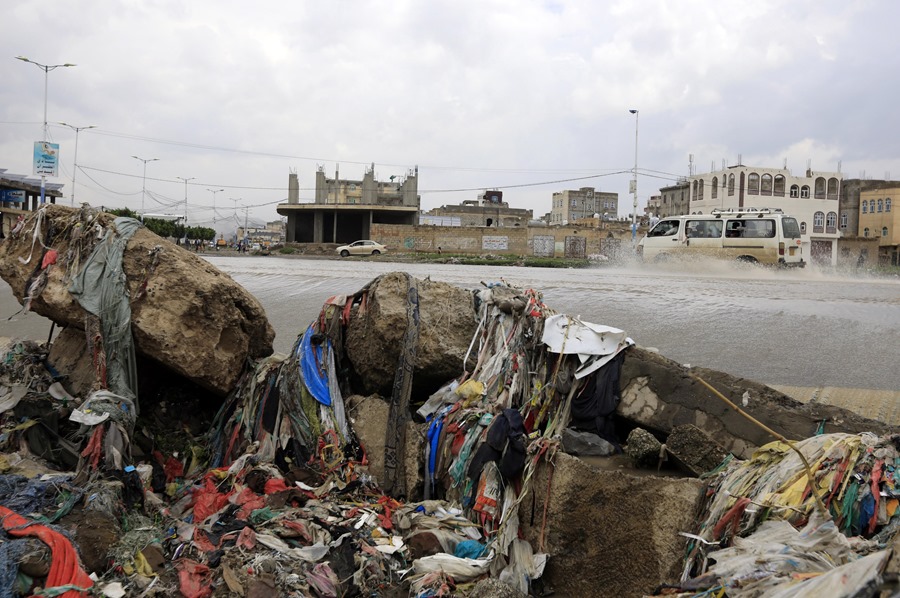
[[502, 240]]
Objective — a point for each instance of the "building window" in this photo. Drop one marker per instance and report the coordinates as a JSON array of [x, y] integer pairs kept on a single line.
[[865, 207], [887, 204], [833, 187], [700, 192], [880, 205], [804, 192], [884, 232], [714, 191], [730, 184], [831, 223], [819, 222], [820, 188], [866, 232], [779, 185], [766, 184], [795, 191], [843, 220], [753, 184], [574, 202], [802, 228]]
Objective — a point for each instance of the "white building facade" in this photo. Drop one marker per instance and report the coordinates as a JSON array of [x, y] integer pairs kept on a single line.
[[813, 199]]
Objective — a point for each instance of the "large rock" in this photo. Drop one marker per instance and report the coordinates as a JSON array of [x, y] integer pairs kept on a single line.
[[375, 335], [608, 533], [185, 313], [659, 394]]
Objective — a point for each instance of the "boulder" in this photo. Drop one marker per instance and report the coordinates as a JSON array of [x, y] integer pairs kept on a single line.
[[608, 533], [375, 334], [693, 450], [585, 444], [369, 418], [659, 394], [643, 448], [185, 313]]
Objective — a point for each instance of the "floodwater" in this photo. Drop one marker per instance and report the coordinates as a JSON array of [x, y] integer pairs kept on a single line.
[[797, 327]]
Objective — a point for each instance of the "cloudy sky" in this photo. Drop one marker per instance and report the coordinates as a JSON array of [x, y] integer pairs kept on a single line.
[[528, 96]]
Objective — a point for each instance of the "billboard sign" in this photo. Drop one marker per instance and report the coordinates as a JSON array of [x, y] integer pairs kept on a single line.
[[13, 195], [46, 158]]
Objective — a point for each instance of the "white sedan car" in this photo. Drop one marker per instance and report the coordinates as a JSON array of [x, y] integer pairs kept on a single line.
[[361, 248]]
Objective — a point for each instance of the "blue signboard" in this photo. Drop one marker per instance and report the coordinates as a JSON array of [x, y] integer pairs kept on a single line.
[[16, 195], [46, 158]]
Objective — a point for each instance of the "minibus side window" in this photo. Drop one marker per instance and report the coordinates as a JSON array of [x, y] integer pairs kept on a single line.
[[665, 228]]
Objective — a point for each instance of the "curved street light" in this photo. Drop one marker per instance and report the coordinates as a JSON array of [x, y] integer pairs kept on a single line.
[[634, 182], [75, 162], [46, 68]]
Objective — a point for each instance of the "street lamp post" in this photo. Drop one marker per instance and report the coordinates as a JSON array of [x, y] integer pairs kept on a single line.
[[46, 68], [144, 181], [185, 201], [634, 181], [75, 163], [214, 191]]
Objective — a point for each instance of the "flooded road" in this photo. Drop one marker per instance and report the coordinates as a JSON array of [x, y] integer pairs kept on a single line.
[[797, 328]]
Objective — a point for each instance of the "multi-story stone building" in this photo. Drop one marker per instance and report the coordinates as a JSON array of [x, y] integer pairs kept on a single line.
[[674, 200], [813, 199], [488, 210], [878, 217], [344, 210], [572, 205]]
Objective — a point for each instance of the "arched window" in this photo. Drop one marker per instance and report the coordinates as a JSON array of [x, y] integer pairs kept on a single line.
[[887, 204], [884, 232], [866, 232], [795, 191], [694, 190], [779, 185], [865, 207], [730, 184], [804, 192], [831, 222], [765, 187], [753, 184], [833, 188], [843, 220], [700, 189], [880, 205], [714, 191], [820, 188], [819, 222], [802, 228]]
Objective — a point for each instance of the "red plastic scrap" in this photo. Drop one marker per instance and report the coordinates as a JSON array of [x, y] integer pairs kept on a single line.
[[65, 570], [193, 578], [249, 501], [94, 448], [274, 485], [208, 500], [732, 519], [49, 258]]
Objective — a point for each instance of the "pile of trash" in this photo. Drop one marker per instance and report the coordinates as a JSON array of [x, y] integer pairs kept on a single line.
[[278, 496], [797, 519]]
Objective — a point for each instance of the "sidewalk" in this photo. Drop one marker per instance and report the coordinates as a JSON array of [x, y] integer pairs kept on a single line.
[[881, 405]]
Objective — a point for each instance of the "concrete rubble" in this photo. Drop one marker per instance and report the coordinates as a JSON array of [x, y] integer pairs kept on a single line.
[[414, 443]]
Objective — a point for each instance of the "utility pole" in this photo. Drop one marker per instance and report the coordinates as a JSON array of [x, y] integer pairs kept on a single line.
[[634, 182], [185, 201], [214, 191], [143, 182], [75, 162]]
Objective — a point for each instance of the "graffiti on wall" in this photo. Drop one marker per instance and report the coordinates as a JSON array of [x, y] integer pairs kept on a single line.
[[495, 242]]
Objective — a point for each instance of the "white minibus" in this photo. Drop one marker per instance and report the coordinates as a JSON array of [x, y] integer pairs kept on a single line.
[[755, 235]]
